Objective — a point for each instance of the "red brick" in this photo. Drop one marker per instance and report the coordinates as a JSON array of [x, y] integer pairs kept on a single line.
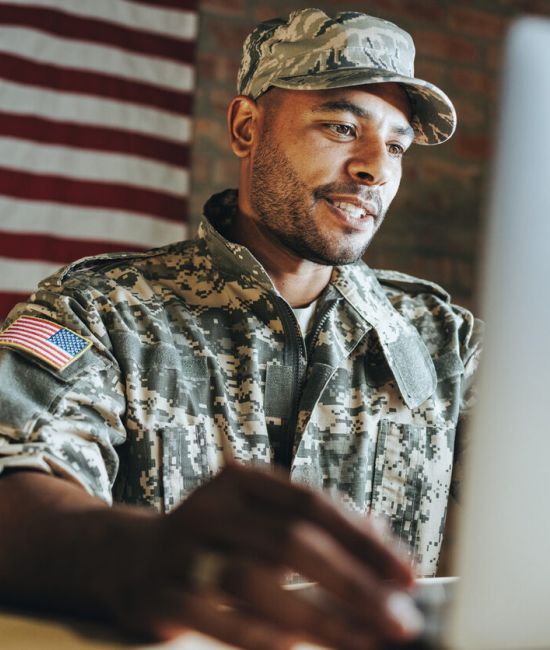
[[208, 129], [465, 173], [226, 7], [227, 36], [196, 203], [262, 12], [446, 46], [473, 146], [472, 81], [464, 273], [465, 20], [471, 114], [426, 267], [434, 72], [400, 11], [221, 172], [200, 170], [228, 172], [532, 6], [217, 69], [424, 10], [494, 56], [220, 97]]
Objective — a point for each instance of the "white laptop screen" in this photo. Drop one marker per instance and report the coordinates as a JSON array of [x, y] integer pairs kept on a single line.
[[503, 598]]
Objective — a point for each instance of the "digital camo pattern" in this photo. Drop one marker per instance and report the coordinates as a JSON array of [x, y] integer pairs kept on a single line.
[[197, 359], [313, 51]]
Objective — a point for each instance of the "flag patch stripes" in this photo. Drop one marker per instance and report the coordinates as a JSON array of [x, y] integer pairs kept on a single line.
[[53, 343]]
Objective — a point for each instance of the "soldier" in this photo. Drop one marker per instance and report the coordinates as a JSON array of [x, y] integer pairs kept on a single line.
[[266, 342]]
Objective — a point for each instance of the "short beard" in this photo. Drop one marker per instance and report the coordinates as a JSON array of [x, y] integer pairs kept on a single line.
[[280, 199]]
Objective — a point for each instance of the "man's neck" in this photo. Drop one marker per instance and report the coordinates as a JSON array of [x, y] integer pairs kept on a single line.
[[299, 281]]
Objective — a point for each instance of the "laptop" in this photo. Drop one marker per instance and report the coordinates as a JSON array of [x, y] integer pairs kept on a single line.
[[502, 599]]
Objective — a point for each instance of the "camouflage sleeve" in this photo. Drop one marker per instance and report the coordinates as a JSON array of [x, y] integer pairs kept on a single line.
[[66, 422]]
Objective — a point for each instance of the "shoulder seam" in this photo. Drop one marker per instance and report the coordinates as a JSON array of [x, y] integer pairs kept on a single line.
[[97, 260], [417, 285]]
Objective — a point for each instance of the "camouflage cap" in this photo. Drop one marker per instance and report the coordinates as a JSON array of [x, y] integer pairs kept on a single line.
[[313, 51]]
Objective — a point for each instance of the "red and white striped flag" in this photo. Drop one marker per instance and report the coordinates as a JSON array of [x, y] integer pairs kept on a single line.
[[57, 345], [95, 128]]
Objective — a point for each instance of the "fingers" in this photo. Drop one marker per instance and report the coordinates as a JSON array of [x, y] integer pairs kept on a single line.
[[325, 561], [318, 557], [274, 525], [242, 630], [259, 590], [276, 493], [355, 591], [313, 553]]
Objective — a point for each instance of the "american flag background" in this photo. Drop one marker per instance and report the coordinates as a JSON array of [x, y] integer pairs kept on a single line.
[[95, 131]]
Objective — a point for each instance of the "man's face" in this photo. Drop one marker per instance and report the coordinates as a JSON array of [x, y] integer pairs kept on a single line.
[[327, 166]]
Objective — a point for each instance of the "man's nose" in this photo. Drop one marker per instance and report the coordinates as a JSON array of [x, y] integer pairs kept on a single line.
[[370, 164]]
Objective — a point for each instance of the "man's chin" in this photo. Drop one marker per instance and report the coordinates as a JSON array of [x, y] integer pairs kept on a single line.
[[338, 256], [333, 258], [321, 252]]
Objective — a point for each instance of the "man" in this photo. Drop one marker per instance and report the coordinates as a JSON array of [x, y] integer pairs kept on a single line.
[[265, 342]]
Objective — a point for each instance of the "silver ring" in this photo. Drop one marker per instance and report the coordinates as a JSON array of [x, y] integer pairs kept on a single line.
[[206, 571]]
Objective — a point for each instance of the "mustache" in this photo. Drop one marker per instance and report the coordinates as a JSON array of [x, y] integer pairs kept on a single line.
[[367, 194]]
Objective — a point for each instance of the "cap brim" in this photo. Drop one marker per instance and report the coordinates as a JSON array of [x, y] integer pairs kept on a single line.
[[434, 116]]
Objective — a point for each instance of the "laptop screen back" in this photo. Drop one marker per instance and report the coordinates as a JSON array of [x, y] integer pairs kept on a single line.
[[503, 598]]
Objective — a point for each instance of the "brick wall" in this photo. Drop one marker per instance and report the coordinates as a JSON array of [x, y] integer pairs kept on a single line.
[[434, 226]]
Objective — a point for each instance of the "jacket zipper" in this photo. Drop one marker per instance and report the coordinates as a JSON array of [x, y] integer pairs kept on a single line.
[[322, 320], [295, 353], [298, 362]]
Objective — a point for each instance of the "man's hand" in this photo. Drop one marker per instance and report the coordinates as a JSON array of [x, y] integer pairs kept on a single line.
[[221, 559], [217, 563]]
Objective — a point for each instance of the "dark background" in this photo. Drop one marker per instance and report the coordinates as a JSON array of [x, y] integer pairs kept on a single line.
[[434, 227]]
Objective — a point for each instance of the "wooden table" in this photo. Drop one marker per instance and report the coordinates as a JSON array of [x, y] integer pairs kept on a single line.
[[21, 631]]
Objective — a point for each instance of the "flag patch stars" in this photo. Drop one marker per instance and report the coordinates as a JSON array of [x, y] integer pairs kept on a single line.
[[55, 344]]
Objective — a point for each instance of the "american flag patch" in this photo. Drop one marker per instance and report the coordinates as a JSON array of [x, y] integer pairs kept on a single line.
[[57, 345]]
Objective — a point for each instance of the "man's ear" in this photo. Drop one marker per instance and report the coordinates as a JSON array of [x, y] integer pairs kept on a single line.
[[242, 120]]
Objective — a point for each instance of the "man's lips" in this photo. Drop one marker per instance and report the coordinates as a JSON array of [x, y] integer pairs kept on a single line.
[[353, 212]]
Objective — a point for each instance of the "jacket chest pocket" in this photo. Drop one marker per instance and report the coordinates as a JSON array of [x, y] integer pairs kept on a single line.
[[171, 449], [411, 480], [188, 459]]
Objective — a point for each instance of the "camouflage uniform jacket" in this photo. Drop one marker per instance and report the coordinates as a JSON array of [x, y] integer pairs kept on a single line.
[[196, 358]]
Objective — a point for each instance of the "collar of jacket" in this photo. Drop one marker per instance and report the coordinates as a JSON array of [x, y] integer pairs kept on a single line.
[[404, 349]]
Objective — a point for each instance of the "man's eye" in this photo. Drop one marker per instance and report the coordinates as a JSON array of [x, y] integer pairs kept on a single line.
[[345, 130], [396, 149]]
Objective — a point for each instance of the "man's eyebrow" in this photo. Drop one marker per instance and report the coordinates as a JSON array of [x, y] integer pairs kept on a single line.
[[341, 105], [354, 109], [407, 131]]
